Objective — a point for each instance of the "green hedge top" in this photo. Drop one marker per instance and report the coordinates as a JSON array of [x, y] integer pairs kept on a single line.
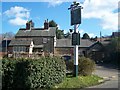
[[28, 73]]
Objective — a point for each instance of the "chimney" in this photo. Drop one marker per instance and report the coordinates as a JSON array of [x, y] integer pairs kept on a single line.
[[29, 25], [46, 24]]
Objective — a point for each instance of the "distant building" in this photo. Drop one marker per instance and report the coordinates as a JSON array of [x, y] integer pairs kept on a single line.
[[103, 39], [116, 34], [87, 48], [4, 47], [64, 46]]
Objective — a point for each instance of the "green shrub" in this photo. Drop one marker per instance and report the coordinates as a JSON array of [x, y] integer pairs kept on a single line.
[[33, 74], [85, 66], [8, 68]]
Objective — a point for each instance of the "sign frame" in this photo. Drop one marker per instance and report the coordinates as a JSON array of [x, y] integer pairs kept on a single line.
[[75, 38], [75, 16]]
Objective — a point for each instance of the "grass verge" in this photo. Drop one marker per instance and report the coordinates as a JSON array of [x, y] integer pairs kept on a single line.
[[79, 82]]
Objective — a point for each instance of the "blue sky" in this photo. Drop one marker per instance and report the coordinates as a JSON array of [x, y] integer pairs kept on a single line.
[[97, 15]]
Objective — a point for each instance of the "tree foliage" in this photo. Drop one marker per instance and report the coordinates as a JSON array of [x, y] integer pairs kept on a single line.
[[67, 35], [114, 45], [85, 36], [59, 33], [8, 35], [113, 50], [52, 23]]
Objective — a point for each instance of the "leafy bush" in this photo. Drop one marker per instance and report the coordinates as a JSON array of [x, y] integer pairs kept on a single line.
[[113, 58], [85, 66], [33, 74], [8, 68]]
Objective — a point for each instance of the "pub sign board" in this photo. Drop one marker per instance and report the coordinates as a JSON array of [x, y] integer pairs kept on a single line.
[[76, 16], [75, 38]]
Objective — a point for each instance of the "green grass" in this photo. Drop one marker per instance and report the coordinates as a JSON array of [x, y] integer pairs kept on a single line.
[[79, 82]]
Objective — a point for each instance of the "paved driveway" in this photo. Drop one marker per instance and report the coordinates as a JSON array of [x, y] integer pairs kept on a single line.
[[110, 76]]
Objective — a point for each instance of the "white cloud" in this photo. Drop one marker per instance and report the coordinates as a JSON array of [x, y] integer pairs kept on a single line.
[[110, 21], [81, 31], [57, 2], [103, 10], [18, 21], [98, 9], [91, 35], [17, 15], [43, 26], [66, 31], [58, 26]]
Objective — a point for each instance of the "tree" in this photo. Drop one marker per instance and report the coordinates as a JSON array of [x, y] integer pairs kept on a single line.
[[8, 35], [59, 33], [52, 23], [94, 39], [85, 36], [67, 35], [114, 45], [113, 51]]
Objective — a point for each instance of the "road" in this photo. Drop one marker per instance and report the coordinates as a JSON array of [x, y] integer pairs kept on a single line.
[[110, 76]]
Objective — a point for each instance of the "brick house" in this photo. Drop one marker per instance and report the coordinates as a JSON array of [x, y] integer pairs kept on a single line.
[[64, 46], [30, 40], [86, 48]]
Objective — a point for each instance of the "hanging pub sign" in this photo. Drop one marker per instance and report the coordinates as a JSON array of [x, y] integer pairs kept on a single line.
[[75, 38], [76, 16]]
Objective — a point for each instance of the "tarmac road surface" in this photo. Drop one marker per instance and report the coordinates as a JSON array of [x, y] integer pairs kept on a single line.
[[110, 76]]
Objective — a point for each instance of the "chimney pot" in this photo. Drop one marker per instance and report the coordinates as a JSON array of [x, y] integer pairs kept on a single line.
[[29, 25], [46, 24]]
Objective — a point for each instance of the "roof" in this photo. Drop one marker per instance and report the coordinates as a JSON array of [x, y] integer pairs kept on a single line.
[[67, 43], [36, 32], [21, 42], [96, 46]]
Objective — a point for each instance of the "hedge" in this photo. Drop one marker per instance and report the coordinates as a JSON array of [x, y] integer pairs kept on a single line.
[[32, 74], [85, 66]]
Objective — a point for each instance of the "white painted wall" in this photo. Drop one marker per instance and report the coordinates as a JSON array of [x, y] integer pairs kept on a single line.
[[55, 39], [31, 48]]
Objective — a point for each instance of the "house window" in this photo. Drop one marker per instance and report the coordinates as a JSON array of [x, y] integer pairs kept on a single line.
[[24, 49], [14, 49], [19, 49], [27, 49], [45, 40]]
